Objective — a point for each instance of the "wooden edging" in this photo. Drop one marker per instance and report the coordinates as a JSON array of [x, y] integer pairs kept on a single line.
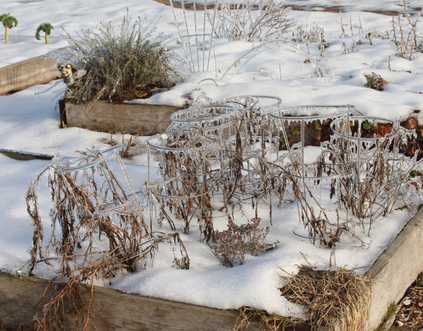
[[25, 156], [112, 310], [136, 119], [19, 76], [395, 270]]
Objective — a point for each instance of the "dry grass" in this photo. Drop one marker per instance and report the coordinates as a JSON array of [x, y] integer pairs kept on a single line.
[[333, 298], [268, 322]]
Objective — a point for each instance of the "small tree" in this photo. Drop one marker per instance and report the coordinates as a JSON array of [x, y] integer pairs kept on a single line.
[[9, 22], [46, 28]]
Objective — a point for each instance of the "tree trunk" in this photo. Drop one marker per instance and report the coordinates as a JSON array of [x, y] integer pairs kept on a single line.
[[46, 38]]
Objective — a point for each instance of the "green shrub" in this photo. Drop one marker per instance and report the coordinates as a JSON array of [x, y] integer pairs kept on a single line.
[[120, 64]]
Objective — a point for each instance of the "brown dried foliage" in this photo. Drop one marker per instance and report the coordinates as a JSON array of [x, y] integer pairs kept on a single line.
[[232, 244], [333, 298], [268, 322], [375, 81], [88, 242]]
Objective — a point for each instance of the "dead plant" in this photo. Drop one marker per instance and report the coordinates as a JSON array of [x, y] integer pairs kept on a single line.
[[268, 322], [232, 244], [335, 299], [405, 33], [323, 227], [184, 193], [97, 231], [380, 170], [263, 20], [375, 81]]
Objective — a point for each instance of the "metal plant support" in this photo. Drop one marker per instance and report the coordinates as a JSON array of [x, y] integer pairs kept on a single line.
[[381, 169], [236, 161], [195, 23]]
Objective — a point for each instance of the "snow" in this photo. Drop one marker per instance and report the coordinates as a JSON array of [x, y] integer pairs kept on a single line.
[[29, 121]]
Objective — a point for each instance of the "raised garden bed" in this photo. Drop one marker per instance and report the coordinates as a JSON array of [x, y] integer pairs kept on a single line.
[[19, 76], [136, 119], [390, 276]]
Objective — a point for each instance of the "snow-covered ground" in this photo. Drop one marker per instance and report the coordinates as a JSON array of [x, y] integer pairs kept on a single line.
[[29, 121]]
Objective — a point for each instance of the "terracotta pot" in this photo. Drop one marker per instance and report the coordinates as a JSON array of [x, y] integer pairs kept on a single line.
[[383, 129], [410, 123]]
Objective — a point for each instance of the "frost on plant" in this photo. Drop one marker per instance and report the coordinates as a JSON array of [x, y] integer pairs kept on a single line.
[[405, 33], [97, 229], [121, 63], [253, 21], [232, 244]]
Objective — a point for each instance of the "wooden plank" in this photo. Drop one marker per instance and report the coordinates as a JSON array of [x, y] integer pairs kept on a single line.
[[136, 119], [113, 310], [24, 156], [18, 76], [395, 270]]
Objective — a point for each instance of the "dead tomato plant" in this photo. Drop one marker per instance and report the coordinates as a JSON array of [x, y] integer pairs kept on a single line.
[[97, 230]]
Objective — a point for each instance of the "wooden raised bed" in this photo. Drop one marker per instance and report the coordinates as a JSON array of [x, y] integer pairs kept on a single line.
[[19, 76], [189, 5], [391, 274], [136, 119]]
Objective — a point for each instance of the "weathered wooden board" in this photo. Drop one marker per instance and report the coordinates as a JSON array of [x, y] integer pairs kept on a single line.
[[113, 310], [25, 156], [137, 119], [18, 76], [395, 270]]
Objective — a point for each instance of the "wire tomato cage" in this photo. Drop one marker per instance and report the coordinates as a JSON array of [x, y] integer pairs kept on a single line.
[[100, 173], [381, 169], [195, 22], [321, 190], [206, 152]]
